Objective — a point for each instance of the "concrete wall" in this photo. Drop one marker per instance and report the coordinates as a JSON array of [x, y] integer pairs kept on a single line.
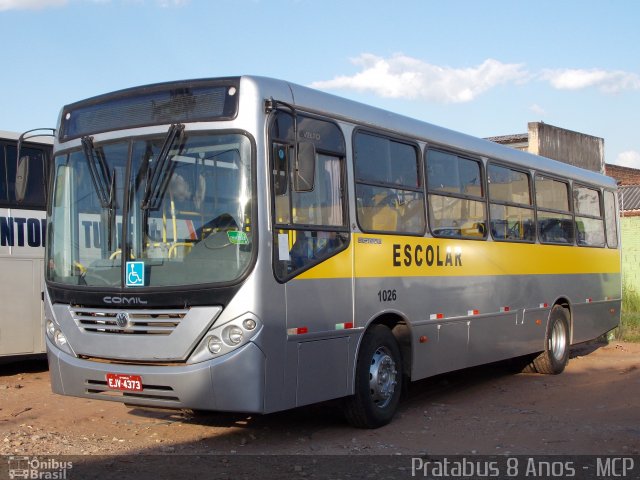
[[575, 148]]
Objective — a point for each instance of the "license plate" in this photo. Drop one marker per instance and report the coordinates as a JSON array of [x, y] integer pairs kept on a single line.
[[118, 381]]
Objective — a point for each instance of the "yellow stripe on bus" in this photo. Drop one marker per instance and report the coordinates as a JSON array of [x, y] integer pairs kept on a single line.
[[401, 256]]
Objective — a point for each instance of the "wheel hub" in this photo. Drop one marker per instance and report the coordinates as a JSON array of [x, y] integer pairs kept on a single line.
[[382, 377], [558, 341]]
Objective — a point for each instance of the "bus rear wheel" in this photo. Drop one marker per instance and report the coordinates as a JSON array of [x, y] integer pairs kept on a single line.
[[378, 381], [556, 346]]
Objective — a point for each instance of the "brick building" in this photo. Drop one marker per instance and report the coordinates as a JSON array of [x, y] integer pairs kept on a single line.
[[623, 175]]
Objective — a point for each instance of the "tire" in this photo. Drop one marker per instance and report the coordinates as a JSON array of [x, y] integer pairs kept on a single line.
[[556, 344], [523, 364], [378, 381]]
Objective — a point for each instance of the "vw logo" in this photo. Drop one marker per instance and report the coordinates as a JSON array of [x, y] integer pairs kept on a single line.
[[122, 319]]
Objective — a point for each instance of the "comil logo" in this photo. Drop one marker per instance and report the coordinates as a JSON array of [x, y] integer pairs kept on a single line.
[[124, 300], [38, 468]]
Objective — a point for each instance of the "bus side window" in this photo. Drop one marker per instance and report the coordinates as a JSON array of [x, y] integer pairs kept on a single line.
[[378, 209], [311, 225], [389, 195], [611, 219], [589, 222], [457, 206], [510, 207], [555, 222], [319, 213]]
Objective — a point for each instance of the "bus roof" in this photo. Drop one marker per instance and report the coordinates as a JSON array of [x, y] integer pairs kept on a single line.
[[45, 139], [316, 101], [324, 103]]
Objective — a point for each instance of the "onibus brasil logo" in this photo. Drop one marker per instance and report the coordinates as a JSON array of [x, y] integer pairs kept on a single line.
[[38, 468]]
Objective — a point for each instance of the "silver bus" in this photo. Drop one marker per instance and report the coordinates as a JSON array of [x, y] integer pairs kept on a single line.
[[247, 244], [23, 179]]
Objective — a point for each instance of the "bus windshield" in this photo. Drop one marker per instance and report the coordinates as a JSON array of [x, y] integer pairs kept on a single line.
[[195, 228]]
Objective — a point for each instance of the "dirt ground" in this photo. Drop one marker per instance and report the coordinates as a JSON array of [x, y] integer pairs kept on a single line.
[[592, 408]]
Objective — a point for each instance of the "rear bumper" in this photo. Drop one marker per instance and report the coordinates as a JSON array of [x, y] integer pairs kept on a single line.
[[233, 383]]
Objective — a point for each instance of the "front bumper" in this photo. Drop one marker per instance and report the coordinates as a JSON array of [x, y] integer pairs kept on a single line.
[[234, 382]]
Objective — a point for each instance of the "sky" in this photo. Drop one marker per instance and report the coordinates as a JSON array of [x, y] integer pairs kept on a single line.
[[482, 67]]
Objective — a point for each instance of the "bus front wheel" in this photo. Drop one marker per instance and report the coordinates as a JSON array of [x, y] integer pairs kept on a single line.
[[378, 381], [556, 346]]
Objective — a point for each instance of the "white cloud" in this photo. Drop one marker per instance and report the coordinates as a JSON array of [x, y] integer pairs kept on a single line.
[[30, 4], [606, 81], [629, 158], [401, 76], [537, 109]]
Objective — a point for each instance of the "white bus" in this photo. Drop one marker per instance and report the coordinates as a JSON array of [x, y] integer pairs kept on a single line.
[[247, 244], [22, 238]]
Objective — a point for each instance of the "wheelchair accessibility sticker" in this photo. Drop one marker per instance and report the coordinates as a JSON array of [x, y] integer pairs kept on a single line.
[[135, 274]]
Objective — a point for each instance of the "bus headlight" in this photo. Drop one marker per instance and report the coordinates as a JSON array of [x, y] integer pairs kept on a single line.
[[50, 329], [55, 335], [249, 324], [233, 335], [215, 345], [60, 339], [226, 337]]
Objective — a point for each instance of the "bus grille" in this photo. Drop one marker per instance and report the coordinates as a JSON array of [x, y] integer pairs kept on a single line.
[[133, 322], [162, 393]]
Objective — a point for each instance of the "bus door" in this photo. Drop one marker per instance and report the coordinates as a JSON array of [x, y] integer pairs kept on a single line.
[[22, 239], [312, 260]]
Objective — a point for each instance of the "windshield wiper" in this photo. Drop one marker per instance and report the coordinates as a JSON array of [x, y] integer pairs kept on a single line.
[[99, 172], [105, 186], [111, 217], [157, 178]]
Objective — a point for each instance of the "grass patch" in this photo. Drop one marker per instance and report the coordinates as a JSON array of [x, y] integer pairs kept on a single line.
[[630, 300], [629, 329]]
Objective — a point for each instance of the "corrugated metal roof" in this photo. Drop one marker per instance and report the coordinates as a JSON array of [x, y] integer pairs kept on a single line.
[[629, 197]]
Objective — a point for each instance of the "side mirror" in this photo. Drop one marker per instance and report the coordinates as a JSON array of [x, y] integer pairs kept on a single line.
[[305, 167], [22, 178]]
